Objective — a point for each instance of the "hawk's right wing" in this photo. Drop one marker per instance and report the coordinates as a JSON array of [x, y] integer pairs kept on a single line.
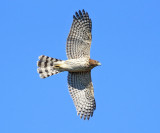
[[79, 38], [81, 90]]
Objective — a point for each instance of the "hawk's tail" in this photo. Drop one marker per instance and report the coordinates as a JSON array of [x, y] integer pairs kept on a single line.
[[45, 66]]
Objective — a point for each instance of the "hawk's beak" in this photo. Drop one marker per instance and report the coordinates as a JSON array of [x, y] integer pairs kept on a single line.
[[99, 64]]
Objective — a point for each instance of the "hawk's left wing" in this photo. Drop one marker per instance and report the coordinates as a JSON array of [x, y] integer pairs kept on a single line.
[[79, 38], [81, 90]]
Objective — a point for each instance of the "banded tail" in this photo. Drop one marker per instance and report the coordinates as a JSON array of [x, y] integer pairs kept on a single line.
[[46, 66]]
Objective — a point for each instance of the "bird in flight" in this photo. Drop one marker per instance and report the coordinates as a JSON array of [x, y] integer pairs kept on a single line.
[[78, 65]]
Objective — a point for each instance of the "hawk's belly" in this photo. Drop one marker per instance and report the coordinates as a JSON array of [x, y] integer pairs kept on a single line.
[[77, 65], [74, 65], [77, 69]]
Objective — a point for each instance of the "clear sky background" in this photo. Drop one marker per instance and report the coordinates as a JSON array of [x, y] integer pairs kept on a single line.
[[126, 40]]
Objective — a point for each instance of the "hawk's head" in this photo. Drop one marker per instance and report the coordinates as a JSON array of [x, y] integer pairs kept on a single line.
[[94, 63]]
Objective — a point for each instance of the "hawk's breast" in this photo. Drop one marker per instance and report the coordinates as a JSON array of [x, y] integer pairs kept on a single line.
[[77, 65]]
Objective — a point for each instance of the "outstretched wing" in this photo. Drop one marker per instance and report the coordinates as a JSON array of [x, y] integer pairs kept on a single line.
[[81, 90], [79, 38]]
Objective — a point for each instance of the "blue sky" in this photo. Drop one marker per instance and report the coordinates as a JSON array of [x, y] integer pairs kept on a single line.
[[126, 40]]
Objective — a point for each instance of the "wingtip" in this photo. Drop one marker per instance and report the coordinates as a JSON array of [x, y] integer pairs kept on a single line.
[[79, 14], [85, 117]]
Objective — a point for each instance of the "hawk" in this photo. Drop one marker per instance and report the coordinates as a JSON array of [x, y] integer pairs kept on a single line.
[[78, 65]]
